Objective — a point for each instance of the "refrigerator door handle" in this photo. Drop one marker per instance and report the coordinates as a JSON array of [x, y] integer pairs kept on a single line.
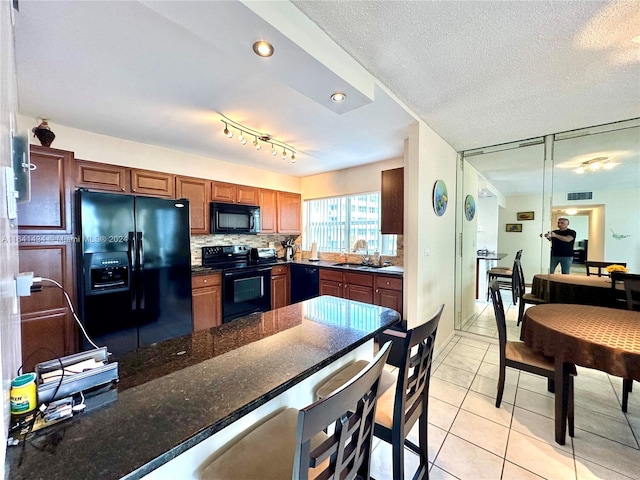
[[131, 248], [140, 259]]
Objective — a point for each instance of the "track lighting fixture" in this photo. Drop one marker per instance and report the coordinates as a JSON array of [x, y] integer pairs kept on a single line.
[[258, 138], [595, 164], [227, 132]]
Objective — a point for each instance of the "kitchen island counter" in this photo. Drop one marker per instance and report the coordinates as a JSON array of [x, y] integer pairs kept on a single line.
[[178, 393]]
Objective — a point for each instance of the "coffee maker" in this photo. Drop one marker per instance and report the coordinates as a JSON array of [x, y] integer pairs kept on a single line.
[[288, 250]]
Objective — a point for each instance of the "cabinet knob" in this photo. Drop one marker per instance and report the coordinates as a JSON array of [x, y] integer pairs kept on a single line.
[[388, 283], [204, 281]]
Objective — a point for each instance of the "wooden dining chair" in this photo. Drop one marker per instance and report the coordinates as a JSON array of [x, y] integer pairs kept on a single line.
[[599, 268], [504, 275], [293, 444], [519, 356], [401, 407], [520, 290], [632, 293]]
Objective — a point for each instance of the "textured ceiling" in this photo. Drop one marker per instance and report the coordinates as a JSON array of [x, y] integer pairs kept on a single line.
[[478, 73], [488, 72]]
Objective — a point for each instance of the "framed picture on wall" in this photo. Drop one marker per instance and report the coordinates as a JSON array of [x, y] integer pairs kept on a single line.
[[514, 227], [524, 216]]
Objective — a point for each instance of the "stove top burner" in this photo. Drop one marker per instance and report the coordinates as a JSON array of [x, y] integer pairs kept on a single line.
[[227, 257]]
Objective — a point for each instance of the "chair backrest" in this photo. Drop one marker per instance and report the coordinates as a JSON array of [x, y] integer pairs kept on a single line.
[[518, 254], [632, 291], [412, 390], [351, 410], [498, 310], [517, 281], [598, 268]]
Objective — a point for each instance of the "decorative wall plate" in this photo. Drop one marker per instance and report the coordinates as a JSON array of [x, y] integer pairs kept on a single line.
[[440, 197], [469, 207]]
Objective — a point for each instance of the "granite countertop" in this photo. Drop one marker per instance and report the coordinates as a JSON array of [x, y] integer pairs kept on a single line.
[[175, 394]]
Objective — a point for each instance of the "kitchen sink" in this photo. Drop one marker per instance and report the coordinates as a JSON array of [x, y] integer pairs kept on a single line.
[[356, 266]]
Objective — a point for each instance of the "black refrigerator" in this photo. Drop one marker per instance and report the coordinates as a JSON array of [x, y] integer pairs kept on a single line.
[[134, 269]]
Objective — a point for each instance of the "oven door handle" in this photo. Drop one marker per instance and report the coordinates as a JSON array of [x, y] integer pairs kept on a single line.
[[244, 273]]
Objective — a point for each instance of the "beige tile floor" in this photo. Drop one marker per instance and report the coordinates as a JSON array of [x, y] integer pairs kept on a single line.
[[469, 438]]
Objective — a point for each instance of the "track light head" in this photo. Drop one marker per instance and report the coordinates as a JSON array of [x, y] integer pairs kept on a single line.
[[227, 132]]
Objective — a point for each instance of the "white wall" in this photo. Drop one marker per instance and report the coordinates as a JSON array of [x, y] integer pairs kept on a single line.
[[535, 250], [615, 228], [10, 340], [101, 148], [349, 181], [429, 240]]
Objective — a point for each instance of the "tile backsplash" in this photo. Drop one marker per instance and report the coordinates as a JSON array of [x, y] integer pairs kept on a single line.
[[199, 241]]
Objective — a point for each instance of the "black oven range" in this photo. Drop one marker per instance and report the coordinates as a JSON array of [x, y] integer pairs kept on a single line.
[[246, 277]]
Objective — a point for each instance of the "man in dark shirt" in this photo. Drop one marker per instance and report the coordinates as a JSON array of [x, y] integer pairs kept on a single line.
[[562, 241]]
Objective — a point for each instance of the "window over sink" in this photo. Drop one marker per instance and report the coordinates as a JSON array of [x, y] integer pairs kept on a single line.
[[338, 224]]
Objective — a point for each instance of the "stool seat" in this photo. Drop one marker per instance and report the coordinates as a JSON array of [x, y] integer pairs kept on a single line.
[[275, 439], [387, 380]]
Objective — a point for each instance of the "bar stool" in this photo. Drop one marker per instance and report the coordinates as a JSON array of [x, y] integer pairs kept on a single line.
[[504, 276], [401, 407], [292, 444]]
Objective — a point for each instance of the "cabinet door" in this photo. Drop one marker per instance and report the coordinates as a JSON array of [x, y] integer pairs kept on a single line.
[[279, 291], [197, 191], [45, 316], [158, 184], [389, 299], [49, 211], [246, 195], [289, 209], [359, 293], [101, 176], [46, 336], [206, 294], [392, 201], [331, 287], [223, 192], [267, 211]]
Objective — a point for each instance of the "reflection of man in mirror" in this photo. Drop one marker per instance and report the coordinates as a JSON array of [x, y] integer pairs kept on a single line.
[[562, 241]]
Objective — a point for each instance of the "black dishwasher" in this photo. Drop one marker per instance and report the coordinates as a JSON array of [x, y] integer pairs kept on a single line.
[[305, 282]]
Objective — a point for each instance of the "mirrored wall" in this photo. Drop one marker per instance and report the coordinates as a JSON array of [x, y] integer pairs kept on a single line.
[[515, 192]]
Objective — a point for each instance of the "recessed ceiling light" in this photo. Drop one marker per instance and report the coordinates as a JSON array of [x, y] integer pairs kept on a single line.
[[637, 39], [338, 97], [263, 48]]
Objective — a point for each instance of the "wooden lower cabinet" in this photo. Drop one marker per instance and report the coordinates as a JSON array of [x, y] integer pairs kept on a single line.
[[388, 292], [206, 293], [48, 327], [349, 285], [280, 286]]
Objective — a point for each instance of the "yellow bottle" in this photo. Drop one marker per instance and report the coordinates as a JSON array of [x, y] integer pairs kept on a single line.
[[23, 394]]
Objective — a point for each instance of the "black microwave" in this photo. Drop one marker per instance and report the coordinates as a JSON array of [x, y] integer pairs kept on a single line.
[[234, 218]]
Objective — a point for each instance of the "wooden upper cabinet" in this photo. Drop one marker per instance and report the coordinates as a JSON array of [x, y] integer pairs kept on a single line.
[[197, 191], [223, 192], [102, 176], [115, 178], [147, 182], [246, 195], [232, 193], [289, 212], [267, 211], [49, 210], [392, 201]]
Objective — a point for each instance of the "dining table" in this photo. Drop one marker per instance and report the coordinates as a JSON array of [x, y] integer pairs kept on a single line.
[[601, 338], [579, 289]]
